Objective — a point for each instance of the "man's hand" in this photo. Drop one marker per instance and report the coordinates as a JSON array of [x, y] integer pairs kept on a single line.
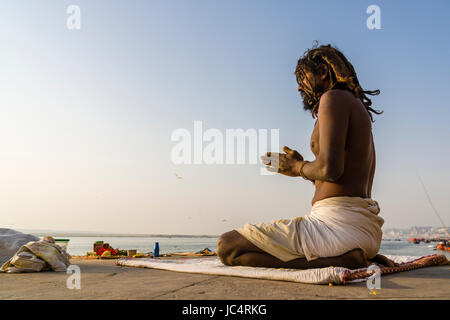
[[287, 164]]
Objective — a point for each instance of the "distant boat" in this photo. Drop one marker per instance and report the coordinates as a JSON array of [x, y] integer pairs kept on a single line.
[[414, 240], [443, 246]]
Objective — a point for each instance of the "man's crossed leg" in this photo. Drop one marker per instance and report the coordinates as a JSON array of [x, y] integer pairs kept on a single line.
[[234, 249]]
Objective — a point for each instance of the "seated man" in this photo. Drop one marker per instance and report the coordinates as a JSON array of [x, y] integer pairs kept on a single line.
[[343, 228]]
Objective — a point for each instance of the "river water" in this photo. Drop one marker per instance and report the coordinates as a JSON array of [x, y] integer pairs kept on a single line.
[[81, 245]]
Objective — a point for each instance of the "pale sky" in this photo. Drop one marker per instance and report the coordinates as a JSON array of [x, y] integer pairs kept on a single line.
[[86, 116]]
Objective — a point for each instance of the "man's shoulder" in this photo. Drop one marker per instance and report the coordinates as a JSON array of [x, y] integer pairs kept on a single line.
[[337, 95], [337, 100]]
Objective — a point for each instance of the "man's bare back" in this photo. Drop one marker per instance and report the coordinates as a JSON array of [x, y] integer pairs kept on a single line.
[[359, 164]]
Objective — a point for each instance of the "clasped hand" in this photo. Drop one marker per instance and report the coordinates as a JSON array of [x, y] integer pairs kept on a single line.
[[287, 163]]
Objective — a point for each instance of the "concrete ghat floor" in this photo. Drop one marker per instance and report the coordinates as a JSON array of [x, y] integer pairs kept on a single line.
[[102, 279]]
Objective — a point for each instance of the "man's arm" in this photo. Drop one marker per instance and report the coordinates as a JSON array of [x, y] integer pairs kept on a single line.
[[334, 114]]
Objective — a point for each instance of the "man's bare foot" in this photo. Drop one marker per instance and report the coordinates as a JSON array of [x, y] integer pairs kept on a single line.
[[355, 259], [380, 259]]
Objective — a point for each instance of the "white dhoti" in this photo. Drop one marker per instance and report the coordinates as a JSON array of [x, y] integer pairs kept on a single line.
[[335, 226]]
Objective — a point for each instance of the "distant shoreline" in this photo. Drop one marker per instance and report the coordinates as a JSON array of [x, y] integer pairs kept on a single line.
[[101, 234]]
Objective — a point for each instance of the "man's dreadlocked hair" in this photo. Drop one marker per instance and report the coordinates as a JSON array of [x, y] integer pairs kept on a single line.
[[341, 75]]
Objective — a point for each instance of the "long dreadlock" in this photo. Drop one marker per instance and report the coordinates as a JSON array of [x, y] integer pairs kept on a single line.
[[341, 75]]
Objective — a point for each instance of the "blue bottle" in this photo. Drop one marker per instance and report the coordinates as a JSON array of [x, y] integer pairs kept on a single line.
[[156, 250]]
